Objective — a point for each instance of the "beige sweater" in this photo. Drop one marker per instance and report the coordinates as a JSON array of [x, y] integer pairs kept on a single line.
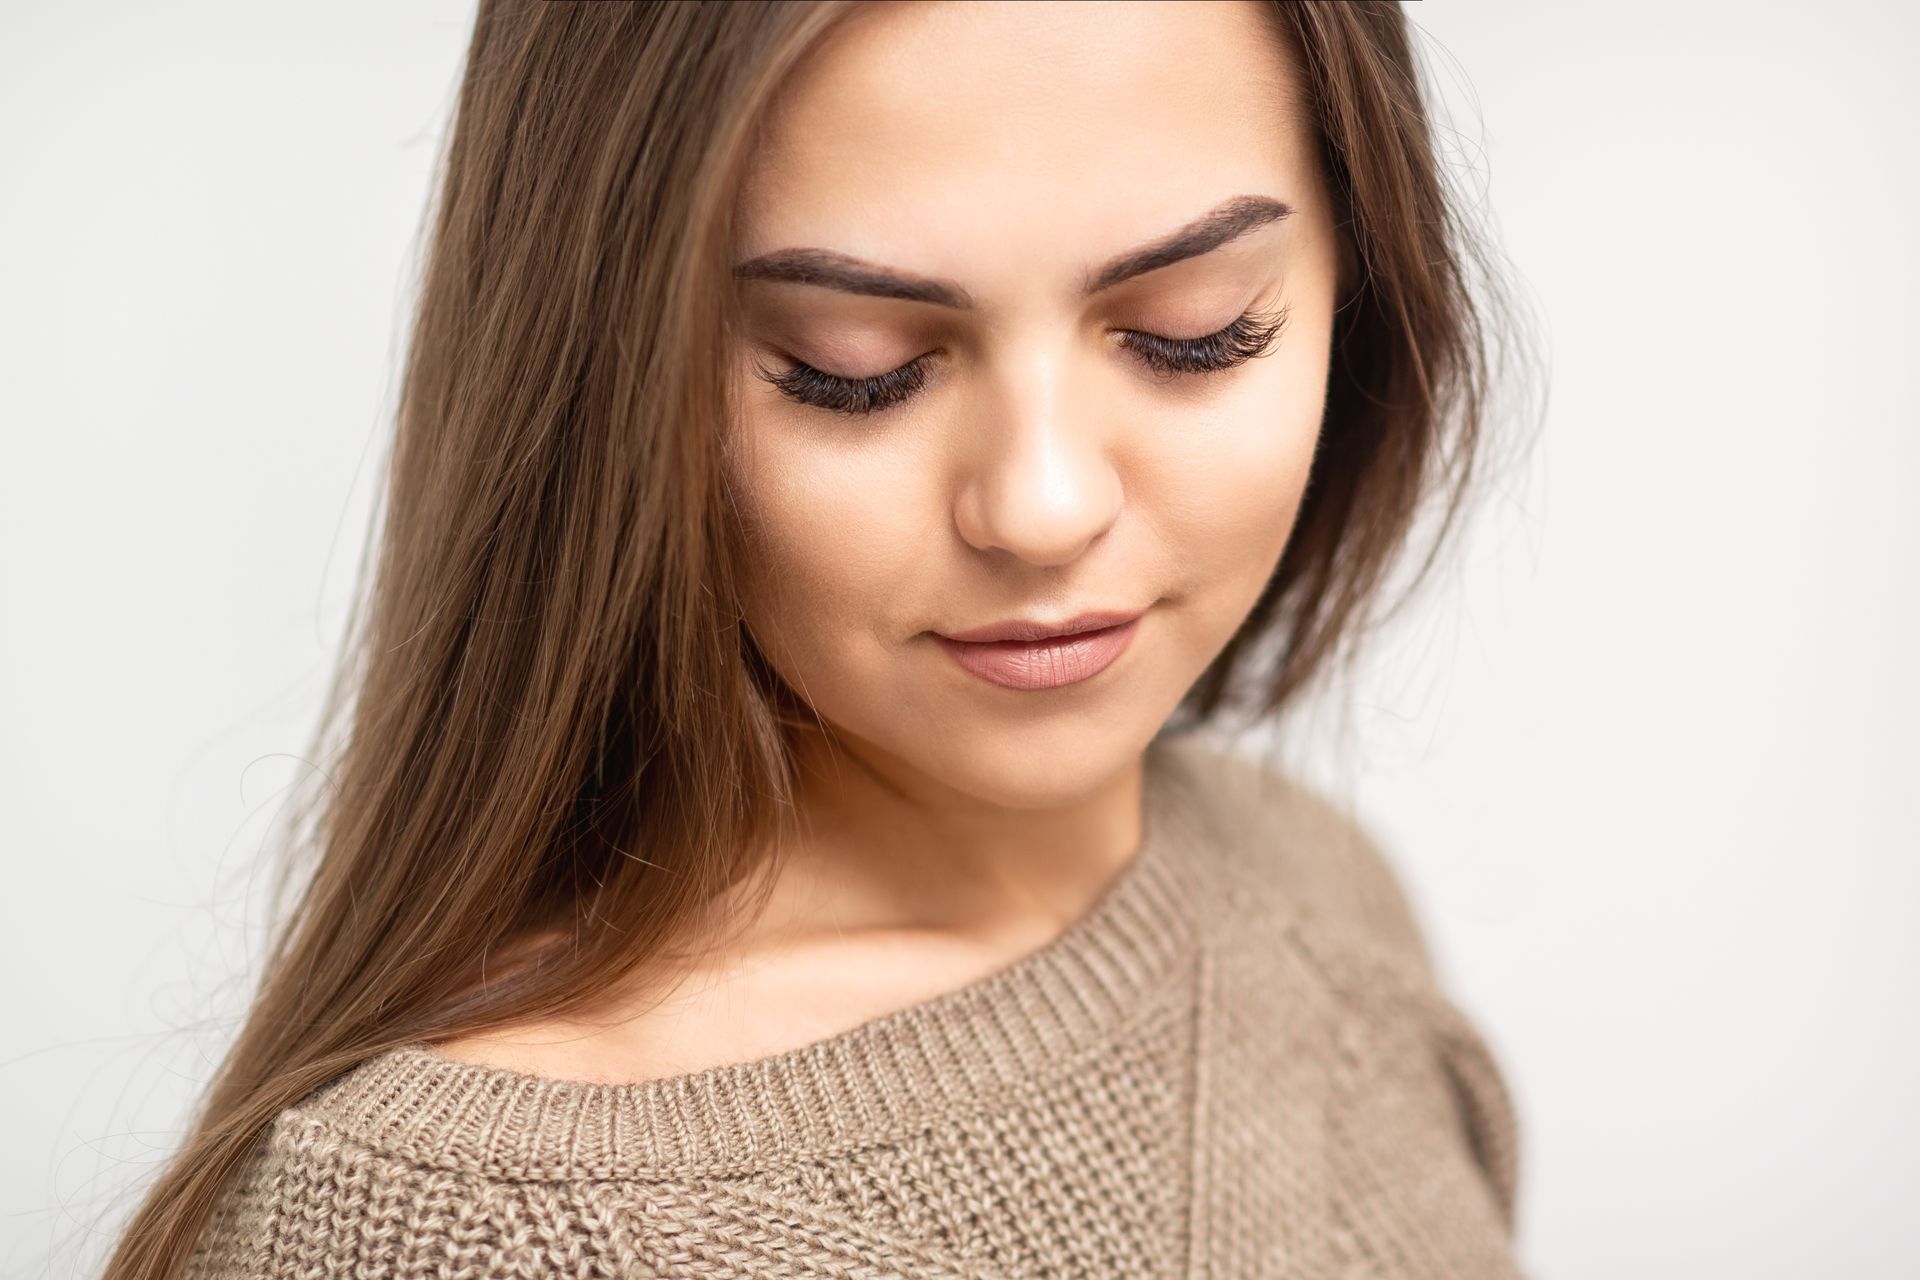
[[1236, 1064]]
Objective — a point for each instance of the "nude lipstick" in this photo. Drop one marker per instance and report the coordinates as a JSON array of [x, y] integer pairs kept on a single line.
[[1037, 655]]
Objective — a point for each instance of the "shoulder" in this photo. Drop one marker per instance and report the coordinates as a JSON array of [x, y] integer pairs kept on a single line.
[[309, 1199], [329, 1191], [1328, 891], [313, 1198], [1294, 847]]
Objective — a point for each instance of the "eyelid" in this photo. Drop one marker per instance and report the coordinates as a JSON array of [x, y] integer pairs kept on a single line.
[[1250, 334], [1247, 336], [815, 388]]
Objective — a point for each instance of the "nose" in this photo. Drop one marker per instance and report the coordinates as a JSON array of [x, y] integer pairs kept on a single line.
[[1042, 480]]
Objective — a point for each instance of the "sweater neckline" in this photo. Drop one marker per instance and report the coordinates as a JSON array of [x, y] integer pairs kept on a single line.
[[1042, 1014]]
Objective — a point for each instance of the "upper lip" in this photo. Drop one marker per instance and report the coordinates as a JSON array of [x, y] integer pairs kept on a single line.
[[1031, 629]]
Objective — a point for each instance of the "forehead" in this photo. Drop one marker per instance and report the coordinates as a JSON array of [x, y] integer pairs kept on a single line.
[[957, 136]]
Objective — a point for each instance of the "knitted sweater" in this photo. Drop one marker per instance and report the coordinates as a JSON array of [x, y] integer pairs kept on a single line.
[[1237, 1063]]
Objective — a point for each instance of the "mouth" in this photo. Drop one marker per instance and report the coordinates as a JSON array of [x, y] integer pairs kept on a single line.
[[1034, 629], [1061, 654]]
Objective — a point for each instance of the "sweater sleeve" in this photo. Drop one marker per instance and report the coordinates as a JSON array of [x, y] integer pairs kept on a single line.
[[1371, 942], [1421, 1134], [1287, 838], [311, 1202], [1364, 890], [1473, 1073], [228, 1244]]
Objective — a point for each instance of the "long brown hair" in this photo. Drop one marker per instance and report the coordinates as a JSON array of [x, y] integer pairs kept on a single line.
[[551, 741]]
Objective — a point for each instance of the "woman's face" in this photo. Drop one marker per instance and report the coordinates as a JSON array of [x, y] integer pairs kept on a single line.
[[1005, 444]]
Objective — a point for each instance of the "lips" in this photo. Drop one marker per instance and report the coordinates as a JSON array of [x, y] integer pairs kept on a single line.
[[1026, 629], [1045, 662]]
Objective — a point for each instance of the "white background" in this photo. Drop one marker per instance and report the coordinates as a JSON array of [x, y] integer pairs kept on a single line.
[[1645, 757]]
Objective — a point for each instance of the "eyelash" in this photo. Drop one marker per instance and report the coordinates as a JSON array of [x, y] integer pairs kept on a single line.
[[1252, 334]]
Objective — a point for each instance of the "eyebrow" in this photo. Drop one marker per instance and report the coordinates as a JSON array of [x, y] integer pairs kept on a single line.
[[846, 274]]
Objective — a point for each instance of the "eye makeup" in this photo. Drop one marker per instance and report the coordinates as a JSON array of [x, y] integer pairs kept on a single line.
[[854, 396], [1252, 334]]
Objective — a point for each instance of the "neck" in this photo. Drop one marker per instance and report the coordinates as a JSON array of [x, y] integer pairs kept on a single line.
[[880, 846]]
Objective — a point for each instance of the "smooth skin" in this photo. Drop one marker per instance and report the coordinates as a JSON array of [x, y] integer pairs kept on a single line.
[[1006, 151]]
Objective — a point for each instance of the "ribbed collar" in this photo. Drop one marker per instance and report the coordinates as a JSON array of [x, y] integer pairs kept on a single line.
[[1041, 1015]]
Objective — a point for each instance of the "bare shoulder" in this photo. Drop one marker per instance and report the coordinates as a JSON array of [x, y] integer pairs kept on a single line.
[[1286, 836]]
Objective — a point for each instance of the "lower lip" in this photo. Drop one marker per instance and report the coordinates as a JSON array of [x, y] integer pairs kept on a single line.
[[1042, 664]]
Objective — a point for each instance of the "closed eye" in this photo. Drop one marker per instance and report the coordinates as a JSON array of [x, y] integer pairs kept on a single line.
[[1251, 334]]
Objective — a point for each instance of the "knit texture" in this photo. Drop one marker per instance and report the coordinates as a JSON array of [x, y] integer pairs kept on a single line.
[[1237, 1063]]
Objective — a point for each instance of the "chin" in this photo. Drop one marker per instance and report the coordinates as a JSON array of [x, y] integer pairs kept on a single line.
[[1032, 766]]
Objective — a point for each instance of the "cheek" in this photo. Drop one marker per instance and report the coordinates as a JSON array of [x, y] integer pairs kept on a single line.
[[1225, 499], [834, 536]]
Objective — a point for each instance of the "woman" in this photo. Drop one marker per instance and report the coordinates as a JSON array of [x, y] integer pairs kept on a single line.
[[846, 453]]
